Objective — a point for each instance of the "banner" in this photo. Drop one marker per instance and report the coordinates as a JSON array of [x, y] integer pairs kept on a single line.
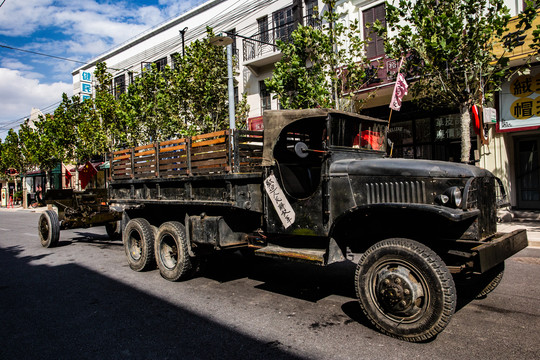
[[400, 90]]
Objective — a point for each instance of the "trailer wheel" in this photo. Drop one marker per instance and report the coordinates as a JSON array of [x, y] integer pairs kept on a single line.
[[114, 230], [138, 239], [405, 289], [49, 229], [172, 253]]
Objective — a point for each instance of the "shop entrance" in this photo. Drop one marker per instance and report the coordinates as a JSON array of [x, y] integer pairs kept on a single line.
[[528, 172]]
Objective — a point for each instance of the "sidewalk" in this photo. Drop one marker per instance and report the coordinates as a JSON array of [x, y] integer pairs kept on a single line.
[[20, 208]]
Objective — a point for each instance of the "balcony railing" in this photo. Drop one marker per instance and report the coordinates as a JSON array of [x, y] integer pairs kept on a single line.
[[264, 43]]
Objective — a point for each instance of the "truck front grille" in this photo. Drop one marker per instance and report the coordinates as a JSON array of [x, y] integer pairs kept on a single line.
[[396, 192]]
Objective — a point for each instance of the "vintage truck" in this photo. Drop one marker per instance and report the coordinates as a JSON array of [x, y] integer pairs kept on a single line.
[[315, 186]]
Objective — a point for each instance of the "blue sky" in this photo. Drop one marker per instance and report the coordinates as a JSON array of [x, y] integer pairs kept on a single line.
[[78, 30]]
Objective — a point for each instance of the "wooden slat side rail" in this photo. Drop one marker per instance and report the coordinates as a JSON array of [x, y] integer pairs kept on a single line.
[[200, 154]]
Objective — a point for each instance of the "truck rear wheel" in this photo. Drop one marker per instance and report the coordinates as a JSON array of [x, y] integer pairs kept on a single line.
[[405, 289], [49, 229], [172, 253], [138, 239]]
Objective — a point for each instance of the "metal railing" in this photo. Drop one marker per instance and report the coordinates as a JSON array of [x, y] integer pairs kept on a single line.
[[264, 43]]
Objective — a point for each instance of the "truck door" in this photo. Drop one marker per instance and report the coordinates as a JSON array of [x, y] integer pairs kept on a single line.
[[299, 156]]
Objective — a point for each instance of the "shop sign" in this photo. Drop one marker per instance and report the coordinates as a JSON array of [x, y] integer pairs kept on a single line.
[[86, 85], [520, 103], [448, 127]]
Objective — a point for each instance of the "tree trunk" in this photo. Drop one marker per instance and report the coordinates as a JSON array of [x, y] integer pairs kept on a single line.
[[465, 133]]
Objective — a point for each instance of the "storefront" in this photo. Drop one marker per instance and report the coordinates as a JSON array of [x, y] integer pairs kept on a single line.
[[519, 124]]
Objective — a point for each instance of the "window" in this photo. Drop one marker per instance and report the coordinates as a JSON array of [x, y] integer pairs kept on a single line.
[[358, 133], [119, 85], [311, 13], [283, 23], [265, 97], [375, 44], [161, 63], [262, 25]]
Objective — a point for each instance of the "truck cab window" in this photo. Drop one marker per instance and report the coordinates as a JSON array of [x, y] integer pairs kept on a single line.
[[358, 134]]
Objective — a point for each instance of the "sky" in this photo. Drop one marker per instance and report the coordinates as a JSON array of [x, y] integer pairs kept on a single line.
[[75, 30]]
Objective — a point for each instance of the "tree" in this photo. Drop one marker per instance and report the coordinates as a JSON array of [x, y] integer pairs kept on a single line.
[[448, 46], [199, 87], [319, 63]]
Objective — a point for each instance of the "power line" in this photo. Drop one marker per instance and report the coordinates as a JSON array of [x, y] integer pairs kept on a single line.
[[2, 3], [42, 54], [4, 126]]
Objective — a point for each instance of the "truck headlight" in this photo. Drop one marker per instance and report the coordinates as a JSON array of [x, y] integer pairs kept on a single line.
[[454, 196]]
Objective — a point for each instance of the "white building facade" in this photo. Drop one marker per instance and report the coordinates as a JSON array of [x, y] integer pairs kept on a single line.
[[257, 23], [512, 153]]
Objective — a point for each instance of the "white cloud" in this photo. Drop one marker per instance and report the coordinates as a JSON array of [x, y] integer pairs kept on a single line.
[[19, 94]]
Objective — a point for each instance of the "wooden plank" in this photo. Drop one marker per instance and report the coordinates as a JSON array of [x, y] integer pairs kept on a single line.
[[200, 164], [214, 155], [122, 151], [122, 157], [208, 142], [170, 142], [210, 149], [144, 153], [173, 166], [173, 161], [213, 134], [142, 147], [173, 148]]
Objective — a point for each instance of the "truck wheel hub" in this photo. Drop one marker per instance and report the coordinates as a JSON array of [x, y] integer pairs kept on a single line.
[[399, 293]]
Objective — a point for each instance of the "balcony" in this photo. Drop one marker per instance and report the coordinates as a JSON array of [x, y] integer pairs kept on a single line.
[[260, 49]]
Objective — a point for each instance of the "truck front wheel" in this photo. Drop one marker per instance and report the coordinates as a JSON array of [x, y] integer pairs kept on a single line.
[[138, 239], [405, 289], [172, 252]]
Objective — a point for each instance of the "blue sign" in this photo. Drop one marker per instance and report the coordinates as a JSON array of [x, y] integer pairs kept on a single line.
[[86, 97], [86, 76], [86, 88]]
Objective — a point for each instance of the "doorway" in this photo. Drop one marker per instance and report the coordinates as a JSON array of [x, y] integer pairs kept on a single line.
[[528, 172]]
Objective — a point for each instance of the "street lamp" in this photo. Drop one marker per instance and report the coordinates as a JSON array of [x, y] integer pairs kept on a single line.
[[221, 40], [183, 33]]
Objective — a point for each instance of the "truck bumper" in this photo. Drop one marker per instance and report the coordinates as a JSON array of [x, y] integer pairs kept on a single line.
[[500, 248]]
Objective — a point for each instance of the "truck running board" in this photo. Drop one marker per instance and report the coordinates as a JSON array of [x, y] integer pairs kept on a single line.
[[312, 256]]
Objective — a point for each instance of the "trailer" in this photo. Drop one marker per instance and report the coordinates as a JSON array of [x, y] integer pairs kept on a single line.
[[312, 186]]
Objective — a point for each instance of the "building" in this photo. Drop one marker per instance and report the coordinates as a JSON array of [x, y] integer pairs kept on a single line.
[[255, 25], [514, 136]]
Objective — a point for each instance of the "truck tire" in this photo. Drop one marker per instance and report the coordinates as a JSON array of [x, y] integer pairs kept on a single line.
[[49, 229], [113, 230], [490, 280], [405, 289], [479, 286], [138, 239], [172, 254]]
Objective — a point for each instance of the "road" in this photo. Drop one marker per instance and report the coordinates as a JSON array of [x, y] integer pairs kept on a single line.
[[82, 301]]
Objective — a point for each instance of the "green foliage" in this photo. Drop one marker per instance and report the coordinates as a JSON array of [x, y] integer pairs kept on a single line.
[[189, 99], [448, 47], [319, 63]]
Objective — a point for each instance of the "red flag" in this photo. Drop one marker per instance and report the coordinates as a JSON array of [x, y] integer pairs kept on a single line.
[[400, 90]]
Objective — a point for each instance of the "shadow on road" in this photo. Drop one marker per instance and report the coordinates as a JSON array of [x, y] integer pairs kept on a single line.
[[71, 312]]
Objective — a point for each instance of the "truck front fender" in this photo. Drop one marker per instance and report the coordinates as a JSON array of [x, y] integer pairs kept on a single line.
[[368, 223]]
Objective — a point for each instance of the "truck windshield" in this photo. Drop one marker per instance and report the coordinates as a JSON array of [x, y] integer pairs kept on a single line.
[[358, 134]]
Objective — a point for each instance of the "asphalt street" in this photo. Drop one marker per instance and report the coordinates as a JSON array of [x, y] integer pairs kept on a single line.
[[82, 301]]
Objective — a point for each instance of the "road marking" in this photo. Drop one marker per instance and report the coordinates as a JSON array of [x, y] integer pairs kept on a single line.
[[4, 229], [34, 235]]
